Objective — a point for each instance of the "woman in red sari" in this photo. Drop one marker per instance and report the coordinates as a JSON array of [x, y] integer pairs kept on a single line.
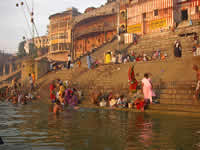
[[52, 92], [132, 81]]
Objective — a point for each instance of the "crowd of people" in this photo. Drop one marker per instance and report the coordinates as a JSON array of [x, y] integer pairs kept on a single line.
[[140, 96], [119, 100], [119, 58], [63, 94], [20, 93]]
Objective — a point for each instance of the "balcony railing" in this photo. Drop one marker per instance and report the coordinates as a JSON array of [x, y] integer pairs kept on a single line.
[[94, 30]]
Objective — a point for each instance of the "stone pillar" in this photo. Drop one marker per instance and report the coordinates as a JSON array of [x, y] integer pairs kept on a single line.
[[4, 69], [1, 69], [10, 68]]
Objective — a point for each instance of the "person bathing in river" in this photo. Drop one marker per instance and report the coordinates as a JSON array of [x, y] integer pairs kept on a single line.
[[147, 88], [57, 107], [52, 92], [197, 91]]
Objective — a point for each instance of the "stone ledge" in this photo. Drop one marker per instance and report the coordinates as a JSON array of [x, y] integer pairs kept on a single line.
[[155, 108]]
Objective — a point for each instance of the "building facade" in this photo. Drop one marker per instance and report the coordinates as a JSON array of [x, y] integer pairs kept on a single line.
[[147, 16], [41, 42], [94, 28], [60, 39]]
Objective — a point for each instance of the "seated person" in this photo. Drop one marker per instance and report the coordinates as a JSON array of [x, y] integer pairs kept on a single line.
[[94, 97], [61, 98], [23, 100], [139, 103], [113, 102], [120, 102], [14, 99], [103, 103]]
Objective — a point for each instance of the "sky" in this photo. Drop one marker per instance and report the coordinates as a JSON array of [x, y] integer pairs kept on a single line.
[[13, 25]]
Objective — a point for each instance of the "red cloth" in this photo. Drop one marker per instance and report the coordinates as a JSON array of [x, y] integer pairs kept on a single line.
[[52, 95], [140, 105], [132, 81]]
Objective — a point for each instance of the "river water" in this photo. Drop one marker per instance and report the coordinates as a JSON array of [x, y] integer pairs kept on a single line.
[[34, 127]]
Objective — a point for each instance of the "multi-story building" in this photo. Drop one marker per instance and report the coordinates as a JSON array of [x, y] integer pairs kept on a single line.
[[147, 16], [60, 39], [94, 28], [124, 4], [41, 42]]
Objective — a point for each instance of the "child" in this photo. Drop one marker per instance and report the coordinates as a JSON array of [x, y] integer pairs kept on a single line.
[[194, 50], [79, 63], [61, 98], [57, 107]]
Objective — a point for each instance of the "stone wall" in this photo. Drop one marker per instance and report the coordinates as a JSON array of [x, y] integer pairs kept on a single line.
[[39, 68], [107, 9]]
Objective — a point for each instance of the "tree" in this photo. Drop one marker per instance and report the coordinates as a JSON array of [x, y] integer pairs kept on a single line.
[[32, 50], [21, 51]]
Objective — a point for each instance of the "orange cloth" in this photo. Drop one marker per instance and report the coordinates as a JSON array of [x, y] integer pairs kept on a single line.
[[33, 77]]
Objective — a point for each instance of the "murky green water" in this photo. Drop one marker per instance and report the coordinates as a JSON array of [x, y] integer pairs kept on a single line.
[[34, 127]]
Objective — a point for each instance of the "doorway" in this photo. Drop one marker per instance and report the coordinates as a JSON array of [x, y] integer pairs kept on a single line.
[[184, 14]]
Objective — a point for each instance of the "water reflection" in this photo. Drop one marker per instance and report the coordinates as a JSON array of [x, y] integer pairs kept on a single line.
[[88, 129]]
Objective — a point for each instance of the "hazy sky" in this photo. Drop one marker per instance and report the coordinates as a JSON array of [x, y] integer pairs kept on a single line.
[[13, 24]]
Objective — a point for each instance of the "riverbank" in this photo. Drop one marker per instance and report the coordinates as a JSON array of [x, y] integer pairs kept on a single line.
[[156, 108], [188, 107]]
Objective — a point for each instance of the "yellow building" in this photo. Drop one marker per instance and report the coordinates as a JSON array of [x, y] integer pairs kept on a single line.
[[41, 42], [60, 34]]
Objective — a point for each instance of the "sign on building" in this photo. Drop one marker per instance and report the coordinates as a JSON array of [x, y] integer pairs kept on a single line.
[[134, 28], [158, 24]]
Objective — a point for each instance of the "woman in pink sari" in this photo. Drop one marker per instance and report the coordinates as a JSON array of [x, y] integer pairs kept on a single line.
[[147, 88]]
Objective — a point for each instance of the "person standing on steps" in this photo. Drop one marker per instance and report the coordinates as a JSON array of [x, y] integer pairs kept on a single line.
[[147, 88], [68, 61], [177, 49], [1, 141], [197, 91], [89, 61], [31, 82], [131, 79]]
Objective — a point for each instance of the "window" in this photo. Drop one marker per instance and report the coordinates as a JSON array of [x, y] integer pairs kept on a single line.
[[156, 12], [166, 10], [113, 10], [144, 15], [197, 9]]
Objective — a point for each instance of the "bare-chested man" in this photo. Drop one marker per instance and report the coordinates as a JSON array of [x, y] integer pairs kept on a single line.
[[197, 92]]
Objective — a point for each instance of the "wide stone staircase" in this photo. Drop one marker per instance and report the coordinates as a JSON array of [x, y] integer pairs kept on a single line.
[[165, 41], [174, 81]]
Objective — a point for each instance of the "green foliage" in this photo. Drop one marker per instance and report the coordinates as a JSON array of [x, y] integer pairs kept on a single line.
[[32, 50], [21, 51]]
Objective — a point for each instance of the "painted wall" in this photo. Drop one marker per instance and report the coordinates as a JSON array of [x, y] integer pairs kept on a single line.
[[93, 33], [40, 68], [150, 16], [86, 44]]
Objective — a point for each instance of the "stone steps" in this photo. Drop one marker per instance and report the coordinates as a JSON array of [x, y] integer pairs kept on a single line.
[[194, 107]]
